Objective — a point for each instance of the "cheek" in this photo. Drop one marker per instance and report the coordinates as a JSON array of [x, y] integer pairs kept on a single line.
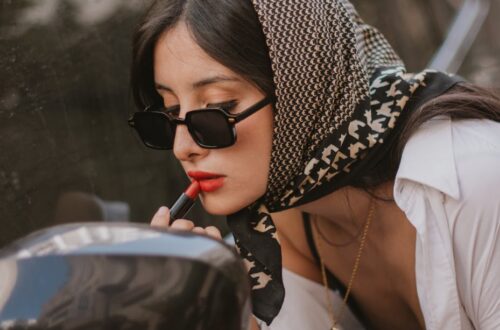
[[248, 167], [255, 143]]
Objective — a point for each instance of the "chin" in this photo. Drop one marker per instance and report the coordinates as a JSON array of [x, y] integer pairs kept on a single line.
[[220, 209], [218, 206]]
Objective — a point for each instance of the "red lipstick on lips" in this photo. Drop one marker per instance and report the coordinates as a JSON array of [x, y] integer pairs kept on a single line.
[[185, 201], [208, 181]]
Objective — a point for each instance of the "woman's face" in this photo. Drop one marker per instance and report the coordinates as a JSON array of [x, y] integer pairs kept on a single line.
[[186, 76]]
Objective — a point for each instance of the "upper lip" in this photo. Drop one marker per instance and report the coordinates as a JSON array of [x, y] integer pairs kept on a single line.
[[200, 175]]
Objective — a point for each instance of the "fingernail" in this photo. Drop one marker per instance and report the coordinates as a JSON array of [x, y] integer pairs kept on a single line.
[[162, 210]]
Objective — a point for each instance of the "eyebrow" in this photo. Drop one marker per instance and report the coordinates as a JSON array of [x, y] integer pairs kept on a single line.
[[201, 83]]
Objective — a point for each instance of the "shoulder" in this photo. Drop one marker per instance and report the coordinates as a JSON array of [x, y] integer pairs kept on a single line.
[[458, 158], [476, 160], [449, 179], [476, 146], [476, 151]]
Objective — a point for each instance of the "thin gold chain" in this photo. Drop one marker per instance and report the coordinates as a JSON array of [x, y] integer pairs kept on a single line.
[[354, 269]]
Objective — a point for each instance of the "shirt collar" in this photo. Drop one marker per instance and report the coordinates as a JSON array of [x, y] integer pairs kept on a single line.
[[428, 158]]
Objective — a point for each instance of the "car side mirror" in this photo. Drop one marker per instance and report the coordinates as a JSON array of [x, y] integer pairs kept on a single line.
[[121, 276]]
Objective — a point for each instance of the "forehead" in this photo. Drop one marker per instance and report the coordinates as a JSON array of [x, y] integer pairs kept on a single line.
[[178, 58]]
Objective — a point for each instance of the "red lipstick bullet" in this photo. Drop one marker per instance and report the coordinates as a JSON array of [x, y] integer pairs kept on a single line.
[[185, 201]]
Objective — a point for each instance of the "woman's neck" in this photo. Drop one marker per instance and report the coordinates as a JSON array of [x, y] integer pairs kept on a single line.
[[346, 209]]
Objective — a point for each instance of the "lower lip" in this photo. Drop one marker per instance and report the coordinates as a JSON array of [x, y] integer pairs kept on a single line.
[[210, 185]]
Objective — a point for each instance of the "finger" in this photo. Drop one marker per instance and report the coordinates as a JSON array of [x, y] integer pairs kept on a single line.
[[199, 230], [213, 232], [161, 217], [182, 224]]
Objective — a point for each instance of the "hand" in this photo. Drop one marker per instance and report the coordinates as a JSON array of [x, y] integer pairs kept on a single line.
[[162, 219]]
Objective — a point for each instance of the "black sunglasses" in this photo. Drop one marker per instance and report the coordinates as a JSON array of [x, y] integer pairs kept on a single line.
[[210, 128]]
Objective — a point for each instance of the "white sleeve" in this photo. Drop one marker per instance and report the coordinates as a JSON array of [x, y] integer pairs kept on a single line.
[[474, 222]]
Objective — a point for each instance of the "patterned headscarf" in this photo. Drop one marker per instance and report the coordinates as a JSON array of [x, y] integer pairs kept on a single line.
[[340, 89]]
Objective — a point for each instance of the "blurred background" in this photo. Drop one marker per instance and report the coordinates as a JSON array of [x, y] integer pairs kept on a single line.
[[66, 151]]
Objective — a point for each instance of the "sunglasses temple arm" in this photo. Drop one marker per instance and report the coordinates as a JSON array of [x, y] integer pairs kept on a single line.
[[254, 109]]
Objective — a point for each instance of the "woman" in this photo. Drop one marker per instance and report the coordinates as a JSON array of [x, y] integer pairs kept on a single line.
[[385, 180]]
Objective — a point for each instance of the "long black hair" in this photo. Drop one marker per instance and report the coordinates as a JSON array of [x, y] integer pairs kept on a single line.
[[229, 31]]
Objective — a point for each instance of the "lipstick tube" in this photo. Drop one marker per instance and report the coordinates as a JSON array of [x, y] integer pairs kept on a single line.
[[185, 201]]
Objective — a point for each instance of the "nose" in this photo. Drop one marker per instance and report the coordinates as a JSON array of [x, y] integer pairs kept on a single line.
[[185, 149]]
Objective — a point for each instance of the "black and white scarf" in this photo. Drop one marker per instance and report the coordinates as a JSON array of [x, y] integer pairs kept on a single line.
[[340, 89]]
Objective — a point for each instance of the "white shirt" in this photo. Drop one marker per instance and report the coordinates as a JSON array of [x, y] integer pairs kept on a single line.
[[448, 185]]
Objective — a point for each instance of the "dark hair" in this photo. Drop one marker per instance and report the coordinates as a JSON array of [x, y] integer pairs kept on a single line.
[[227, 30], [230, 32]]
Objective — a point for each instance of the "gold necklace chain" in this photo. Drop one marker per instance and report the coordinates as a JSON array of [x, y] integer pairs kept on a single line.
[[354, 269]]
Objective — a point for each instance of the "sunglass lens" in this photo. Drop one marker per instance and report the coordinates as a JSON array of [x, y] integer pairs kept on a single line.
[[155, 129], [210, 128]]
